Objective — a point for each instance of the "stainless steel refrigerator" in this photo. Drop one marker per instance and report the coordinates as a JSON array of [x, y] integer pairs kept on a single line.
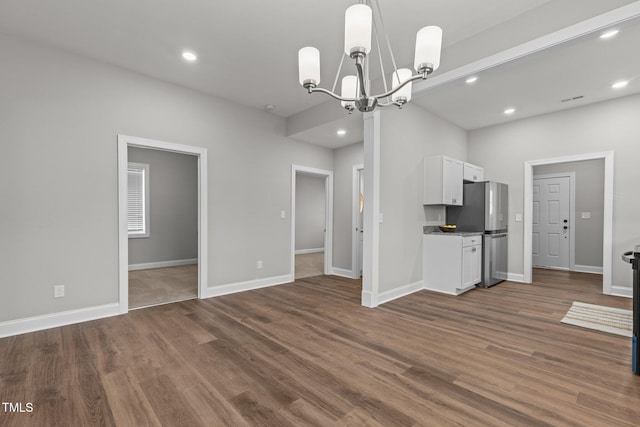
[[485, 208]]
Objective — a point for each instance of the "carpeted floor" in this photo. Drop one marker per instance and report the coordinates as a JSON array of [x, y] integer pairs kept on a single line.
[[308, 265], [162, 285]]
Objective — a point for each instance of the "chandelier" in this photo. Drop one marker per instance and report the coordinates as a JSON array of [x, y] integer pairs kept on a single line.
[[359, 25]]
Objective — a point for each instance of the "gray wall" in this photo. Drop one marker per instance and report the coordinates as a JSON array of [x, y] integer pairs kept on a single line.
[[611, 125], [60, 115], [173, 210], [589, 198], [407, 136], [343, 161], [310, 212]]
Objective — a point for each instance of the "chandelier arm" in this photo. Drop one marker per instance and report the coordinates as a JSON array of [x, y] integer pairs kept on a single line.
[[363, 90], [410, 79], [390, 103], [328, 92]]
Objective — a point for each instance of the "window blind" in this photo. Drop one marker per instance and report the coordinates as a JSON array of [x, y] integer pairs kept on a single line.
[[137, 203]]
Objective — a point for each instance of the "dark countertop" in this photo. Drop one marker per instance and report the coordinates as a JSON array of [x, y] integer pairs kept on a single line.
[[432, 230]]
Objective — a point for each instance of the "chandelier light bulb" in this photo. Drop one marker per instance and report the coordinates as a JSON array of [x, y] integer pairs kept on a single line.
[[309, 66], [404, 94], [428, 47], [358, 21], [349, 90]]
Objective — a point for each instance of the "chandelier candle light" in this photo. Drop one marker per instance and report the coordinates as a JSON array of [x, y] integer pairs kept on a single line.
[[359, 25]]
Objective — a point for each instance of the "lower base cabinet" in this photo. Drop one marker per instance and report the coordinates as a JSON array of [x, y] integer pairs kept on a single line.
[[452, 263]]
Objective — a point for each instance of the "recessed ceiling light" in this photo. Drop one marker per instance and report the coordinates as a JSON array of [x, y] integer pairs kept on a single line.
[[609, 34], [189, 56], [269, 107], [471, 80], [510, 111], [341, 132], [620, 84]]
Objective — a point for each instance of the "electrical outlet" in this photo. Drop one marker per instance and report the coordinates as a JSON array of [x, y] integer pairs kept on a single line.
[[283, 214], [58, 291], [259, 264]]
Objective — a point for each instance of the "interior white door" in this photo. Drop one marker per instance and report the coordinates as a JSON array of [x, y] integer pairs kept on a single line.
[[551, 222]]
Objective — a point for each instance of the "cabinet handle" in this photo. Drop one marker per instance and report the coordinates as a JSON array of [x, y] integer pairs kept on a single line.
[[453, 200], [475, 177], [473, 249]]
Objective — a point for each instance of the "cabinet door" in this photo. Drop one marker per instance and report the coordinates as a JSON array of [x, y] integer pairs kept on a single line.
[[453, 171], [476, 267], [471, 265], [473, 173]]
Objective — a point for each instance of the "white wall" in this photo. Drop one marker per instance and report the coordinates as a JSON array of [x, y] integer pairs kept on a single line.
[[310, 212], [173, 210], [59, 119], [407, 136], [343, 161], [611, 125]]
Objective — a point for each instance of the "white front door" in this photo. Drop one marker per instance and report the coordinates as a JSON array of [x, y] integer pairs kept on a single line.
[[551, 222]]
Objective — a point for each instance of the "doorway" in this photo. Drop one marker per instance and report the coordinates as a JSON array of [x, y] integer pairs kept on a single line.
[[553, 236], [311, 221], [163, 227], [606, 254], [124, 143]]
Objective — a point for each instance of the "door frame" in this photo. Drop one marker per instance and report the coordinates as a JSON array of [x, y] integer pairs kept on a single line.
[[328, 215], [124, 142], [572, 212], [355, 211], [607, 235]]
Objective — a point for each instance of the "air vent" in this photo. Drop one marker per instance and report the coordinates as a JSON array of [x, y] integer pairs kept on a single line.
[[572, 99]]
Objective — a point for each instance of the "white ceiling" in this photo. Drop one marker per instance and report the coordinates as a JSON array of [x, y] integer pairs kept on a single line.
[[538, 83], [248, 50]]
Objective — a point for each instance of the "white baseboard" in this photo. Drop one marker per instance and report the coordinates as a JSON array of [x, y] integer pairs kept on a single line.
[[622, 291], [342, 272], [249, 285], [402, 291], [162, 264], [369, 299], [513, 277], [48, 321], [308, 251], [587, 269]]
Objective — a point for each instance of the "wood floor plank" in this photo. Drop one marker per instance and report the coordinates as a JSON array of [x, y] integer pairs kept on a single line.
[[308, 353]]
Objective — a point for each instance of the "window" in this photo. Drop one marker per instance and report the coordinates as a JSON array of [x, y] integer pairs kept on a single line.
[[138, 200]]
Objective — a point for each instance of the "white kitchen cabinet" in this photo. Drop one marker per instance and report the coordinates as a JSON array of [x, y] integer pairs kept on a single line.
[[443, 181], [473, 173], [452, 263]]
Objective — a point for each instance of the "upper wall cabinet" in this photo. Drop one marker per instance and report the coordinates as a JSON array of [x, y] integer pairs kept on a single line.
[[443, 181], [473, 173]]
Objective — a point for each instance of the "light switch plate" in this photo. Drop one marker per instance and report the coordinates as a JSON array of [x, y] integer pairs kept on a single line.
[[283, 214], [518, 217], [586, 215]]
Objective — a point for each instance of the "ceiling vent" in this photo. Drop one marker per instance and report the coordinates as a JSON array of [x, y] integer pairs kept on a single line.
[[572, 99]]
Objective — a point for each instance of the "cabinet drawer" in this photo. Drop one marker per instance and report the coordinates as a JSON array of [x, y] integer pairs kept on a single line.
[[471, 241]]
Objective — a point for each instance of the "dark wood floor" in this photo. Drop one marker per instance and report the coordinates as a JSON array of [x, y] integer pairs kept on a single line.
[[309, 354]]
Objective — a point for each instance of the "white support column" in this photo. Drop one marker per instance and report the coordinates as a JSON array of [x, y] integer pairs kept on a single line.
[[370, 271]]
